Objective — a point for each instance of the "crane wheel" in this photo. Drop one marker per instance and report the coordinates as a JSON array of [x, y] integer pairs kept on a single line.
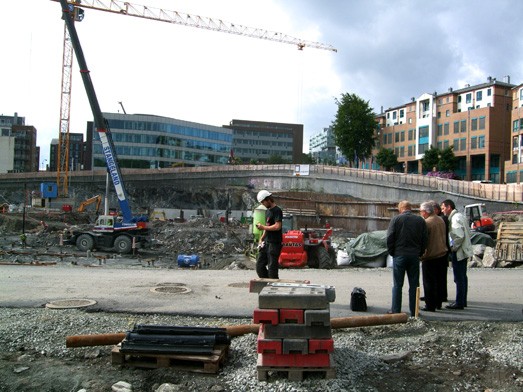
[[123, 244], [85, 242]]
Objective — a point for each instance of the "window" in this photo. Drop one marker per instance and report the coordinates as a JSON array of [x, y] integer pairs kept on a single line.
[[402, 136], [423, 132], [515, 126], [447, 113], [439, 114], [402, 113], [456, 126], [463, 144], [411, 134], [440, 145], [481, 124], [473, 142], [388, 115], [446, 127], [489, 92], [456, 144], [402, 152], [515, 142], [479, 95], [463, 127], [468, 98], [394, 114], [481, 141], [397, 137], [440, 129], [459, 99], [474, 124], [445, 144]]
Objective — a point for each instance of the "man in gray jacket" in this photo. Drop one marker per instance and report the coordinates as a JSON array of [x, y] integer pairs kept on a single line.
[[461, 250], [406, 242]]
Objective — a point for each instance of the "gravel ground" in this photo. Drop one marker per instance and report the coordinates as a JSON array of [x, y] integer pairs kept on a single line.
[[418, 355]]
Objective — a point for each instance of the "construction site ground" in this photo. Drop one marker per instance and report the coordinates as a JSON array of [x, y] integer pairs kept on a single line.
[[476, 349]]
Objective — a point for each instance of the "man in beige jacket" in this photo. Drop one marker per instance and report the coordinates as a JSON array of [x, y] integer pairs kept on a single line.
[[435, 257]]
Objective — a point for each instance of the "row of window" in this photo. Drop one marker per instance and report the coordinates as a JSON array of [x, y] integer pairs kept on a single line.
[[263, 143], [123, 150], [273, 135], [176, 129]]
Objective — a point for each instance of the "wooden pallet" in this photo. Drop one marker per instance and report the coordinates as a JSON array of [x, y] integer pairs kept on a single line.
[[295, 373], [191, 363]]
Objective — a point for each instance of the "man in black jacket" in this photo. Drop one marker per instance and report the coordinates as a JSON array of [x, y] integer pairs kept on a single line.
[[407, 238]]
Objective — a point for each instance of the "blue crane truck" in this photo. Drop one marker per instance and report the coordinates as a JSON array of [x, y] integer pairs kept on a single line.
[[118, 233]]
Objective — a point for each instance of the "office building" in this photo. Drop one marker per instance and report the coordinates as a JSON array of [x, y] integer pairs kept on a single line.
[[258, 141], [148, 141], [18, 150], [77, 159], [323, 149]]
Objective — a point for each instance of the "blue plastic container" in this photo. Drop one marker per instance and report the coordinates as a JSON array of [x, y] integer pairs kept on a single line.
[[188, 260]]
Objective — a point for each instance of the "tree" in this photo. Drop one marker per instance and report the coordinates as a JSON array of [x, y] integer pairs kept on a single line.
[[276, 159], [308, 159], [431, 159], [354, 127], [447, 160], [386, 158]]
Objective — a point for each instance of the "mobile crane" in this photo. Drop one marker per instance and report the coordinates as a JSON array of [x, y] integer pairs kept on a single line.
[[109, 231]]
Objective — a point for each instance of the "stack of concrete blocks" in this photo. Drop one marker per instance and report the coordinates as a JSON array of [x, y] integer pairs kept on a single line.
[[295, 334]]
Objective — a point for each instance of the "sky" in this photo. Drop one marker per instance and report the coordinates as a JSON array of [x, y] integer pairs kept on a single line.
[[388, 52]]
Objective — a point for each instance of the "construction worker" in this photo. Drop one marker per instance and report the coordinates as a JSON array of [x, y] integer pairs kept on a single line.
[[271, 239]]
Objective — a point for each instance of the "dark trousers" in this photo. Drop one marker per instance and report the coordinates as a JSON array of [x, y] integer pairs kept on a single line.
[[459, 267], [443, 265], [267, 261], [432, 284], [400, 266]]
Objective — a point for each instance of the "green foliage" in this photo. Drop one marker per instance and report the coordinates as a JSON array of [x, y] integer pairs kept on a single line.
[[307, 159], [354, 127], [386, 158], [447, 160], [431, 159], [276, 160]]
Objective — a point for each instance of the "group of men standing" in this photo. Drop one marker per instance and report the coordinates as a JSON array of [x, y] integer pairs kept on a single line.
[[440, 233]]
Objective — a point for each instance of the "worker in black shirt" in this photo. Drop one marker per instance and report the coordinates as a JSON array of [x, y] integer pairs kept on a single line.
[[271, 239]]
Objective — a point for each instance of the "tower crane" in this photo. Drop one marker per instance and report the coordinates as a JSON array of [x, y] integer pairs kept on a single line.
[[145, 12]]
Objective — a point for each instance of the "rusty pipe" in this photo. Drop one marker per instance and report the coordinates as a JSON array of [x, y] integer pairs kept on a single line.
[[243, 329]]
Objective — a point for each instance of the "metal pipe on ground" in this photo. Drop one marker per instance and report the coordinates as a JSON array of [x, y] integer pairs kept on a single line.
[[244, 329]]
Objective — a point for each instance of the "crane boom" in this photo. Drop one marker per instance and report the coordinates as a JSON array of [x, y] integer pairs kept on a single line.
[[99, 121], [202, 22]]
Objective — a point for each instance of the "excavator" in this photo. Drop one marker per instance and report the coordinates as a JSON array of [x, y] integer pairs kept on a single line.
[[95, 199]]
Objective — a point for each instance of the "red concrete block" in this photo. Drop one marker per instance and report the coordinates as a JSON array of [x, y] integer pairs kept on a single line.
[[321, 346], [291, 316], [266, 316], [294, 360], [268, 346]]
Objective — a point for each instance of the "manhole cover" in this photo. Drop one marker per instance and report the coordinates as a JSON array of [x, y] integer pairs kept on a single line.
[[240, 285], [171, 289], [70, 303]]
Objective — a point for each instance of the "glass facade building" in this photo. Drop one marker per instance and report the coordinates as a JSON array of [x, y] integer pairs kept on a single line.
[[148, 141]]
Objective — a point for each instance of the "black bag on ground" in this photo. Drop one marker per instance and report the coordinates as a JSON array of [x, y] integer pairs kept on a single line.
[[358, 302]]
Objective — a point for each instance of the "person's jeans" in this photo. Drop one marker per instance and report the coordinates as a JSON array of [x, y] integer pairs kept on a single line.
[[267, 261], [459, 267], [400, 266]]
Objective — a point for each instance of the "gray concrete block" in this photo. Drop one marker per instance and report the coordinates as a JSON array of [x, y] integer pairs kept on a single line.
[[330, 291], [292, 298], [295, 346], [297, 331], [256, 285], [317, 317]]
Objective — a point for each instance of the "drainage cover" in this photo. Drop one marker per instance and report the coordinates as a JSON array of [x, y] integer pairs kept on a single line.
[[239, 285], [70, 303], [171, 289]]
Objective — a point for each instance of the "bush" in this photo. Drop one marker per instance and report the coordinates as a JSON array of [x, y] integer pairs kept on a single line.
[[442, 174]]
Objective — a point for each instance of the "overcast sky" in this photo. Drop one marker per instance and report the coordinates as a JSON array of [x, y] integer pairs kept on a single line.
[[388, 52]]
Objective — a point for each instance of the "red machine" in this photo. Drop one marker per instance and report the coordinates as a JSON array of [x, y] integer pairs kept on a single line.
[[307, 248]]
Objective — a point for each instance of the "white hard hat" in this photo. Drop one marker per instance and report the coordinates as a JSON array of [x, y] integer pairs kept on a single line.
[[262, 195]]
